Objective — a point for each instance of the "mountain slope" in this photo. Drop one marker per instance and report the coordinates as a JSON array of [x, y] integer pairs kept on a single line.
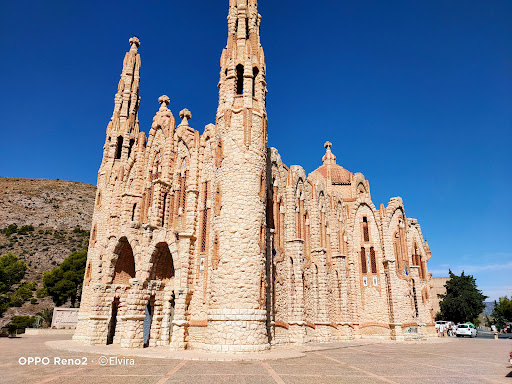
[[61, 214]]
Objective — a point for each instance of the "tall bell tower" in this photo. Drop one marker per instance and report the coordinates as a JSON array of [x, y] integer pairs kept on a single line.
[[237, 314]]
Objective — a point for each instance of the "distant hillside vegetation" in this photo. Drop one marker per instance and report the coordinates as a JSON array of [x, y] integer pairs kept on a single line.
[[60, 213]]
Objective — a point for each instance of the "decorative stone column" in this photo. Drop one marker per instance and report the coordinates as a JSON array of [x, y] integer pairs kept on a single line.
[[133, 319], [181, 292], [322, 322], [392, 295], [297, 330]]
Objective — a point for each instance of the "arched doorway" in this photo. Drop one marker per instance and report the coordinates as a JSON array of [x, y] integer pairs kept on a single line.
[[148, 319], [171, 316], [113, 322]]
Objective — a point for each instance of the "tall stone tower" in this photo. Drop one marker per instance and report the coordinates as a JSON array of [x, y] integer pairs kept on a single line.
[[237, 314]]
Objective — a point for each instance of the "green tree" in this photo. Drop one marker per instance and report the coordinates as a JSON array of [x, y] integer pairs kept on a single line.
[[65, 282], [502, 311], [23, 293], [21, 322], [463, 300], [12, 271]]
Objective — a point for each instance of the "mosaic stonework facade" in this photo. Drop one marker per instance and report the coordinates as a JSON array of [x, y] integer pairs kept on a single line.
[[209, 241]]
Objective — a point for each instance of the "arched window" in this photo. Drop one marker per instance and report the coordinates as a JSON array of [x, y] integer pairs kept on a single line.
[[255, 72], [170, 221], [87, 277], [364, 268], [182, 195], [164, 208], [415, 298], [125, 265], [307, 235], [239, 79], [292, 283], [262, 185], [132, 142], [373, 260], [298, 220], [281, 224], [396, 247], [366, 232], [119, 148], [205, 219], [133, 211], [323, 237], [156, 168], [219, 154], [93, 235]]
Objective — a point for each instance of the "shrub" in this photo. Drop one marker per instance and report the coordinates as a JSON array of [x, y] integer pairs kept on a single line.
[[40, 293], [21, 322], [25, 229], [33, 301], [22, 294], [9, 230]]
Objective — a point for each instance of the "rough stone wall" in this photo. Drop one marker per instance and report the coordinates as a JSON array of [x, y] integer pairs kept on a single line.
[[210, 241]]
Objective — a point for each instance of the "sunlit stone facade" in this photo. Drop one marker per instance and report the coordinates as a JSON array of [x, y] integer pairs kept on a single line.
[[209, 241]]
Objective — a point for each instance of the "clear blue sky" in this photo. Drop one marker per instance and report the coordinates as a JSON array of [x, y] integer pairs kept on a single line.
[[416, 95]]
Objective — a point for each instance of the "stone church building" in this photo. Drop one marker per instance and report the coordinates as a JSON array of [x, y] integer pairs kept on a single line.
[[209, 241]]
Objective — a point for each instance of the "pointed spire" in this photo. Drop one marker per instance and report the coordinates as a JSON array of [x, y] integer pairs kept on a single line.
[[329, 157], [125, 116]]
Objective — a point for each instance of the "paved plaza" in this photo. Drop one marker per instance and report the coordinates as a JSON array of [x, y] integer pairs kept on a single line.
[[468, 361]]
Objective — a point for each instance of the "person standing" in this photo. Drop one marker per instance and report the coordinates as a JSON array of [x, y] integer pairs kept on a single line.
[[494, 331]]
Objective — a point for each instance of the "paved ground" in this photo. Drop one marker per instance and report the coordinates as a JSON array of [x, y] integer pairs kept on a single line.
[[468, 361]]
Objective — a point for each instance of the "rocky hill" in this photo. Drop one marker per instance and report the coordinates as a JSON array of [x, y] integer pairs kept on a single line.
[[60, 213], [50, 203]]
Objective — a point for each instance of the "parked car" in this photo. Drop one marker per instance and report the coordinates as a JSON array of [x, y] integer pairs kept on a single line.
[[4, 332], [466, 330]]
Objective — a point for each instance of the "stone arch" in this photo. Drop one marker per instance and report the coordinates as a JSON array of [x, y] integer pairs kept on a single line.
[[417, 240], [161, 263], [394, 231], [124, 263], [357, 205], [360, 189], [359, 251]]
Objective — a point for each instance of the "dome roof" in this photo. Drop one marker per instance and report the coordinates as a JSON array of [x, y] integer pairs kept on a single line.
[[329, 169], [339, 175]]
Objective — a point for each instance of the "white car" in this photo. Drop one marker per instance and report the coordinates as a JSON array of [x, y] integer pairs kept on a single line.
[[466, 330]]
